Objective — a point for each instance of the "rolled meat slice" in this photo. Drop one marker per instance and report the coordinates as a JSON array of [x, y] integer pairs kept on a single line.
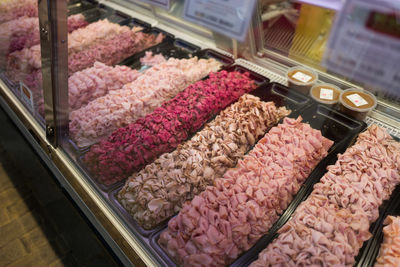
[[389, 254], [160, 189], [228, 218], [329, 228]]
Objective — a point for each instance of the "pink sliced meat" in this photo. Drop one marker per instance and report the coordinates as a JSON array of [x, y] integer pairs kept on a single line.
[[24, 62], [13, 9], [158, 191], [161, 131], [150, 60], [91, 83], [93, 33], [228, 218], [76, 21], [24, 33], [86, 85], [135, 100], [329, 228], [113, 50]]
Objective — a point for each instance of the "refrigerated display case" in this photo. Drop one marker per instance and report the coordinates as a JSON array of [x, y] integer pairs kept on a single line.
[[117, 99]]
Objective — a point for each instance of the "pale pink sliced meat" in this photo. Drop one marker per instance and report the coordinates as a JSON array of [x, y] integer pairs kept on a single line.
[[192, 166], [330, 227], [118, 108], [250, 196]]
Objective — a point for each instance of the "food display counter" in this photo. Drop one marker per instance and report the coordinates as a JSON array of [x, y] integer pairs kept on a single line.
[[186, 147]]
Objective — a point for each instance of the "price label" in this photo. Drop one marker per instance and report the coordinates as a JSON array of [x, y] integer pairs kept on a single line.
[[26, 96], [357, 100], [302, 77], [326, 94], [364, 45], [161, 3], [228, 17]]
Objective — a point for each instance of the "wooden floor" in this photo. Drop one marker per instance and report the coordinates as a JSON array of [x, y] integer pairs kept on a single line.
[[38, 224]]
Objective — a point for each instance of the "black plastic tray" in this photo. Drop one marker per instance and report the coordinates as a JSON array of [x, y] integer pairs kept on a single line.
[[96, 13], [132, 223], [295, 101], [100, 11], [260, 80], [130, 22], [176, 48], [75, 7], [257, 78], [282, 96], [337, 127], [134, 62]]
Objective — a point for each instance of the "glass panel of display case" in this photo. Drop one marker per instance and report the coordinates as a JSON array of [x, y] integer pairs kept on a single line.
[[304, 32], [19, 42], [289, 30]]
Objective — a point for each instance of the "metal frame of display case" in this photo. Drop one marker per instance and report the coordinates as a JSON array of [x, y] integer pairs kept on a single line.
[[128, 247]]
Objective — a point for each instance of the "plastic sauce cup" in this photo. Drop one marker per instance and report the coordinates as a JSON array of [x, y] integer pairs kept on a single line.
[[325, 93], [301, 79], [357, 103]]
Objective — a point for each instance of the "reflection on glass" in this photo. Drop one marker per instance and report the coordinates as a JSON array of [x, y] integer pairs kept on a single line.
[[299, 31]]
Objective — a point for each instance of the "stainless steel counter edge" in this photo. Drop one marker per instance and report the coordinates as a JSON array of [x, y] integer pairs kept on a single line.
[[126, 246]]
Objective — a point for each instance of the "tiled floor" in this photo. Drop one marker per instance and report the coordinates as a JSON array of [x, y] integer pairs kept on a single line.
[[38, 224]]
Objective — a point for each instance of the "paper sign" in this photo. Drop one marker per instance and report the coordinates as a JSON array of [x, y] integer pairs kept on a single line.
[[26, 96], [357, 100], [228, 17], [161, 3], [302, 77], [326, 94], [364, 45]]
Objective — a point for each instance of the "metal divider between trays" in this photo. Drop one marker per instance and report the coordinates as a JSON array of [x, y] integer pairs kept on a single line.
[[310, 112]]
